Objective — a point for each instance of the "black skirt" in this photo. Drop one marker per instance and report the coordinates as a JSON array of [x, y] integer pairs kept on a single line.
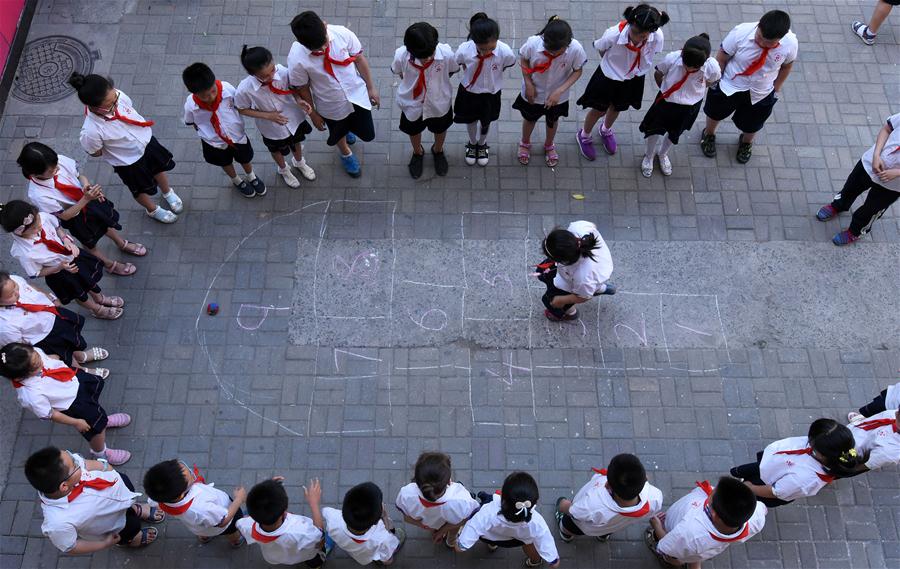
[[138, 177], [471, 107], [87, 404], [93, 222], [75, 286], [531, 112], [668, 118], [601, 92], [65, 337]]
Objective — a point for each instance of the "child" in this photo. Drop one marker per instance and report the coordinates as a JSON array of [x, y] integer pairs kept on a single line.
[[613, 499], [877, 439], [56, 187], [327, 66], [44, 249], [483, 58], [798, 467], [55, 392], [551, 63], [424, 93], [510, 519], [682, 77], [877, 171], [114, 130], [88, 506], [30, 315], [434, 502], [265, 94], [206, 511], [887, 399], [210, 110], [362, 526], [704, 522], [756, 59], [284, 538], [626, 52], [577, 268], [868, 32]]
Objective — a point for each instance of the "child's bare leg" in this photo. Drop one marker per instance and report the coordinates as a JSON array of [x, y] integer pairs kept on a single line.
[[711, 125], [416, 141], [146, 202], [248, 168], [439, 139], [91, 304], [590, 121], [279, 160], [564, 506], [297, 151], [98, 442], [551, 132], [611, 115], [230, 171], [234, 537], [116, 238], [343, 147], [527, 129], [107, 262], [882, 9], [748, 136], [162, 180]]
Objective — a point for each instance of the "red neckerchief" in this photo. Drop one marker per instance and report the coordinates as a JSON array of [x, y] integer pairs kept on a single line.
[[117, 117], [96, 484], [178, 510], [632, 48], [760, 61], [675, 87], [54, 246], [212, 108], [477, 73], [328, 62], [429, 504], [873, 424], [62, 375], [420, 86], [708, 490], [260, 537], [38, 308], [639, 513], [275, 89], [74, 193], [544, 65]]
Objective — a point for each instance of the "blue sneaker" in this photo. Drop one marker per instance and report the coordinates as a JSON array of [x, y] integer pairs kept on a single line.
[[826, 212], [610, 289], [351, 138], [245, 189], [351, 165], [844, 238]]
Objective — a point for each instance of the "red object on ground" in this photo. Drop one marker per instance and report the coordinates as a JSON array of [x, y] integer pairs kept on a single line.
[[10, 11]]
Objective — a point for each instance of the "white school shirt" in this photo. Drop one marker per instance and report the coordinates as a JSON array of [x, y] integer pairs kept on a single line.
[[585, 276], [740, 44], [43, 193], [19, 325], [596, 513], [792, 476], [694, 89], [562, 67], [490, 524], [892, 397], [208, 507], [692, 537], [438, 92], [882, 444], [890, 155], [35, 256], [123, 144], [230, 121], [252, 94], [490, 80], [377, 544], [454, 507], [334, 96], [295, 541], [616, 59], [92, 515], [42, 395]]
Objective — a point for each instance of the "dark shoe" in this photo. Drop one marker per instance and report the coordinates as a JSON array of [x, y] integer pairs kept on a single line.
[[416, 165], [826, 212], [258, 186], [744, 151], [482, 154], [610, 289], [708, 144], [471, 153], [245, 189], [554, 318], [441, 167]]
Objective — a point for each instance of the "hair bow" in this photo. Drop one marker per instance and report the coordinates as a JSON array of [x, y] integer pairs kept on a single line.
[[523, 507], [29, 219]]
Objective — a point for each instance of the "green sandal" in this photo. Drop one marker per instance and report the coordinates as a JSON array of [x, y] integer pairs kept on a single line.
[[708, 144], [744, 151]]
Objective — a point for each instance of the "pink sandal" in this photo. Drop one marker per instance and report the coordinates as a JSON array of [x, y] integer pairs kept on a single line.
[[550, 156], [118, 420], [524, 155], [117, 457]]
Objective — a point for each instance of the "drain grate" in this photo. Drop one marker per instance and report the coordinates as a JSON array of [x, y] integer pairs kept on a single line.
[[45, 67]]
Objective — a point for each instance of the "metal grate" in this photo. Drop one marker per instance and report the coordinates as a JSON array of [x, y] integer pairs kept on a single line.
[[45, 67]]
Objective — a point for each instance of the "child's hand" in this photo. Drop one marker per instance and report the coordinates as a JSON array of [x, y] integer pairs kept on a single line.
[[82, 425], [313, 493], [239, 495], [70, 267], [553, 99], [277, 117], [877, 164], [530, 92], [317, 120], [374, 98], [112, 539], [307, 108], [93, 193], [888, 175]]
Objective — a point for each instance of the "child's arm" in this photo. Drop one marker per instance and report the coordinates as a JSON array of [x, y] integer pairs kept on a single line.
[[84, 547], [783, 75], [883, 134], [273, 116], [722, 58], [67, 241], [240, 496], [761, 491], [555, 96], [305, 95], [47, 271], [313, 496], [64, 419], [417, 523], [362, 65], [530, 89], [91, 193]]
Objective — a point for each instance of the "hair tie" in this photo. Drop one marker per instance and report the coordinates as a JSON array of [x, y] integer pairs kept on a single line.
[[846, 456], [554, 18], [29, 219], [523, 507], [578, 241], [3, 357]]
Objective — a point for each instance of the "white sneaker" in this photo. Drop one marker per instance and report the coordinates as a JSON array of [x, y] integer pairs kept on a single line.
[[854, 417], [163, 215], [647, 167], [305, 170], [289, 177], [175, 203], [665, 165]]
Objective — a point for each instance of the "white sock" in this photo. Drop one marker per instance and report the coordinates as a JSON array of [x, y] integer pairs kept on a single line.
[[665, 146], [602, 288], [603, 127], [284, 170], [570, 311], [100, 454], [485, 129], [652, 142], [472, 127], [251, 176], [237, 180], [347, 155]]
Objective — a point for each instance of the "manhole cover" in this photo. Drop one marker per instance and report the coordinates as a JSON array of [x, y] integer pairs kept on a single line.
[[45, 67]]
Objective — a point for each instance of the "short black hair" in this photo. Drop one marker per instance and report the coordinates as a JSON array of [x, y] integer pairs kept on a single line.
[[198, 77], [733, 501], [696, 51], [255, 58], [774, 24], [13, 214], [645, 17], [626, 476], [267, 501], [421, 40], [45, 470], [557, 34], [310, 30], [519, 487], [362, 506], [165, 481], [36, 158], [91, 89], [15, 360], [432, 474], [483, 29]]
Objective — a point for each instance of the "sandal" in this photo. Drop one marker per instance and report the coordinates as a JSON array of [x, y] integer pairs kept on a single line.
[[118, 421], [744, 151], [136, 249], [203, 539], [237, 544], [550, 156], [93, 355], [108, 313], [113, 301], [121, 269], [524, 155], [154, 515], [100, 372], [144, 536]]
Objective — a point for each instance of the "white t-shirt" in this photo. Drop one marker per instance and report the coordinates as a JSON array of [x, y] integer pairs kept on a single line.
[[35, 256], [454, 507], [694, 89], [297, 539], [490, 524], [792, 476], [490, 80], [377, 544], [42, 395], [596, 513], [436, 100], [91, 516], [882, 443], [230, 121], [892, 397], [620, 63], [562, 67], [890, 155], [43, 193], [208, 507], [19, 325], [586, 275], [334, 96], [253, 95], [740, 44], [693, 538], [123, 144]]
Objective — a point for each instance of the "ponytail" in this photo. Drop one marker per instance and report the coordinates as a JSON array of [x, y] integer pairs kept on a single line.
[[91, 89]]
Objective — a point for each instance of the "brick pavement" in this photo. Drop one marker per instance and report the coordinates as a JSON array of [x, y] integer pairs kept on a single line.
[[406, 367]]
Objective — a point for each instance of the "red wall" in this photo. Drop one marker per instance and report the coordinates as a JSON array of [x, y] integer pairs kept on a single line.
[[10, 10]]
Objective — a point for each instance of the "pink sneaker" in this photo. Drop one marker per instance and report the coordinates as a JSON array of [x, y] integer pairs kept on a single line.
[[117, 420], [585, 144], [609, 141], [117, 456]]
